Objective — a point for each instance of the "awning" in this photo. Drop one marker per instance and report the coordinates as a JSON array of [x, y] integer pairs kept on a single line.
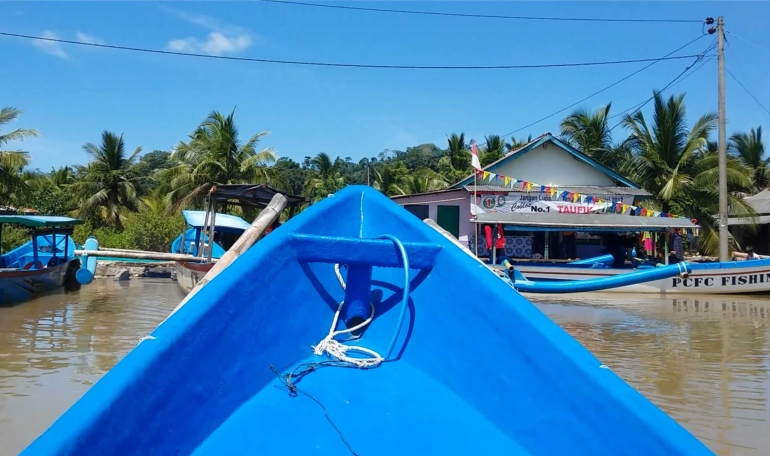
[[525, 221], [258, 195], [40, 220], [222, 222]]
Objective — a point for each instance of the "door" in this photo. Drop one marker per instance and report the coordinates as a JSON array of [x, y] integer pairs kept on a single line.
[[448, 217], [419, 210]]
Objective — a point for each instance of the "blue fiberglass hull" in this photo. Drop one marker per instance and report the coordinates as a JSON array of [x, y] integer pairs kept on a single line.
[[476, 368], [17, 286]]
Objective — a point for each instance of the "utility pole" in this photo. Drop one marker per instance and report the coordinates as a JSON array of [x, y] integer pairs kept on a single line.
[[723, 251]]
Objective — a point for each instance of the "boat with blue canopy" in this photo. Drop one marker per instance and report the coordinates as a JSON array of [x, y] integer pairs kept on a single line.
[[208, 234], [350, 331], [195, 241], [43, 263]]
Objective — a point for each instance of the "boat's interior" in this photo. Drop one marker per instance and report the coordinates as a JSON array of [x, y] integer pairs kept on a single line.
[[475, 369], [51, 252]]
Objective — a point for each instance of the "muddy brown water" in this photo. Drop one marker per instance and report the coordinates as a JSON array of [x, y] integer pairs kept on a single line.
[[704, 360]]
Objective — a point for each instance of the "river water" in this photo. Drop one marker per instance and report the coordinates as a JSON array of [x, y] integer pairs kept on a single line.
[[704, 360]]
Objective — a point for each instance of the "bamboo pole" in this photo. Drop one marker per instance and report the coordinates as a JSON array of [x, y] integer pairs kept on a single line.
[[265, 218], [139, 255]]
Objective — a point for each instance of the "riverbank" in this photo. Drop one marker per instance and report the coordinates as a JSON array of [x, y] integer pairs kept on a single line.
[[153, 270]]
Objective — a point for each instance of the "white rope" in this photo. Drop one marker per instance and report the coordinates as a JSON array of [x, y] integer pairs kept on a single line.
[[337, 350]]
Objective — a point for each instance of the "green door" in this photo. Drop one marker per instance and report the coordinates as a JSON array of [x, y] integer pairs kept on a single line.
[[448, 217]]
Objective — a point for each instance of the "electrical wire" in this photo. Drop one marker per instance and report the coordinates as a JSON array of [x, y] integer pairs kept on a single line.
[[747, 91], [764, 49], [343, 65], [680, 77], [641, 104], [482, 16], [657, 92], [743, 74], [604, 89]]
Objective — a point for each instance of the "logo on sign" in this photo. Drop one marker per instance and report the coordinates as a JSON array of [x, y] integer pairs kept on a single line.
[[490, 202]]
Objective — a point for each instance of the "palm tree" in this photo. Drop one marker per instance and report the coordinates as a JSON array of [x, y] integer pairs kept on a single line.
[[389, 179], [515, 144], [60, 178], [493, 150], [12, 161], [107, 185], [214, 155], [676, 166], [458, 152], [590, 133], [324, 177], [422, 180], [751, 150]]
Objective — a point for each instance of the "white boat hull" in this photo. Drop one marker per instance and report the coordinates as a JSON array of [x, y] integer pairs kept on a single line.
[[724, 280], [188, 274]]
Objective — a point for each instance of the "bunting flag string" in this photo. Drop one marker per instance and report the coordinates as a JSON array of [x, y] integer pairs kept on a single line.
[[606, 206]]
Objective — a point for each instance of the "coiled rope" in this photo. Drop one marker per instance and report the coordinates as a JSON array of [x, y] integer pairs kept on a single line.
[[337, 350]]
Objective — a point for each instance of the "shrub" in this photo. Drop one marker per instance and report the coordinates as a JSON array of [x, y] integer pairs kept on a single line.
[[146, 230], [14, 237]]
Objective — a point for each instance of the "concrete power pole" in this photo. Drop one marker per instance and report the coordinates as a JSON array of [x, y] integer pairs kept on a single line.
[[723, 251]]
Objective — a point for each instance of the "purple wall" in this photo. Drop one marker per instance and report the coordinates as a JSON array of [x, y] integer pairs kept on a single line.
[[460, 198]]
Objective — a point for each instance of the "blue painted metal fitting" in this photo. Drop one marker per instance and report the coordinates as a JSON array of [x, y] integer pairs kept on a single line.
[[358, 285]]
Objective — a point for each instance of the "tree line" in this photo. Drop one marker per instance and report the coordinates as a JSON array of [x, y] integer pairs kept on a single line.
[[132, 200]]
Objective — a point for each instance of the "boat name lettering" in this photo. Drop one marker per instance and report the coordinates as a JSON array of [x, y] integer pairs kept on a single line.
[[740, 279]]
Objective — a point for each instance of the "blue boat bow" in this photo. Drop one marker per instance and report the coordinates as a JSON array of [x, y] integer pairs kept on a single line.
[[467, 366]]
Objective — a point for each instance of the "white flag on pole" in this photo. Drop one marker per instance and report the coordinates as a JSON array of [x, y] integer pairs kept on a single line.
[[475, 156]]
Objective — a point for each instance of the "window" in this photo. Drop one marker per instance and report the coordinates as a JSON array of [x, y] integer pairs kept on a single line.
[[419, 210]]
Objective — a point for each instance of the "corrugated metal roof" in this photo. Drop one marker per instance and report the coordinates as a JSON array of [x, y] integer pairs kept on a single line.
[[760, 202], [590, 190], [584, 222], [761, 220]]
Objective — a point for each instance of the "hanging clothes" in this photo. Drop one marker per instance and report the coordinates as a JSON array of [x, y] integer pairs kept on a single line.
[[495, 233], [648, 243]]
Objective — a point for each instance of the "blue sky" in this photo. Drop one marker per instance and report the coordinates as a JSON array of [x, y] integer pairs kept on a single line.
[[71, 93]]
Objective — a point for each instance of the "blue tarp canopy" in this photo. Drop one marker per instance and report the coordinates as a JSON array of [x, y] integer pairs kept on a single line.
[[222, 223], [39, 220]]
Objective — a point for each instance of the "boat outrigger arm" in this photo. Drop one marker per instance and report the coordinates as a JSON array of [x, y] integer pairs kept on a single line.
[[551, 221]]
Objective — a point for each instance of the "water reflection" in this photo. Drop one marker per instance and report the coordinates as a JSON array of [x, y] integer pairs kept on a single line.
[[52, 349], [704, 360]]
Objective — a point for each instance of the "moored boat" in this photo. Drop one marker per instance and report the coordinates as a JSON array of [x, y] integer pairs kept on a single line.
[[43, 263], [731, 277], [251, 365], [208, 234], [195, 241]]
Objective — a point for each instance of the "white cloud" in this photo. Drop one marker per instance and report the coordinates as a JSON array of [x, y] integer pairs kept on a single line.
[[50, 47], [216, 44], [89, 39], [221, 39]]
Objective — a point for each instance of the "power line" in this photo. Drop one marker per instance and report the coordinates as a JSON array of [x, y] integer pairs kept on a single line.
[[602, 90], [673, 81], [679, 78], [749, 42], [747, 90], [743, 73], [481, 16], [342, 65]]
